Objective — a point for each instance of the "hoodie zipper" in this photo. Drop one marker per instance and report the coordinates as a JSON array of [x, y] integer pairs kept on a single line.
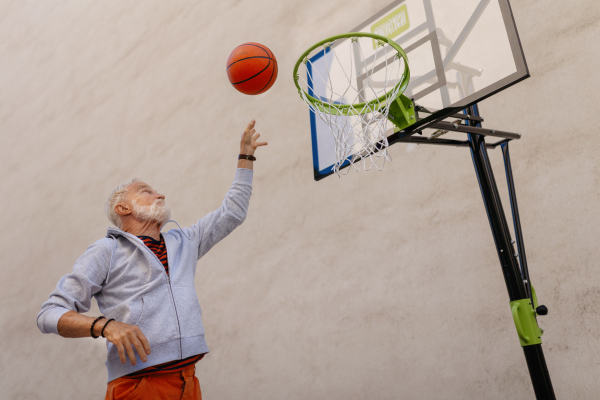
[[172, 297], [170, 289]]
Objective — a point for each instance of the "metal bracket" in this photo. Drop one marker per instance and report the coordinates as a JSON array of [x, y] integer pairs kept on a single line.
[[472, 129], [466, 117], [402, 112]]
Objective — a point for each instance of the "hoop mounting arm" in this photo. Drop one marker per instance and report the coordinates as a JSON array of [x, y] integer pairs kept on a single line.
[[402, 112]]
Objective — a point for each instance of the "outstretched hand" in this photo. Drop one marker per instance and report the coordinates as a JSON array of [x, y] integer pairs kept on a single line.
[[249, 137]]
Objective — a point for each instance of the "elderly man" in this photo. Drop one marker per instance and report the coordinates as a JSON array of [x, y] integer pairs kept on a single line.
[[143, 281]]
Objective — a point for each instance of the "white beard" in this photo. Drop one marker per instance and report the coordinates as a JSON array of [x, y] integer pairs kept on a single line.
[[158, 212]]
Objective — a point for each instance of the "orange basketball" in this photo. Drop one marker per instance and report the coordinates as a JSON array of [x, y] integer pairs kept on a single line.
[[252, 68]]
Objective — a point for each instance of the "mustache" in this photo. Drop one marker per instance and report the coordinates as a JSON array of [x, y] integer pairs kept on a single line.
[[159, 201], [158, 211]]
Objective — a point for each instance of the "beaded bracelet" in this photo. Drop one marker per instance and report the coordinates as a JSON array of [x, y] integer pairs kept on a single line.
[[107, 322], [92, 327]]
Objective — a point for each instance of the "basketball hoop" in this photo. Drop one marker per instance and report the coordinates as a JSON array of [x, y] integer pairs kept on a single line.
[[341, 92]]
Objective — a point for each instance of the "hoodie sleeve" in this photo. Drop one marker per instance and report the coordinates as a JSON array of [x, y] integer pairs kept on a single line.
[[221, 222], [74, 291]]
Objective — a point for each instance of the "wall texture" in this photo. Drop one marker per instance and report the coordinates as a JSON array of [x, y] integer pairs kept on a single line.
[[378, 285]]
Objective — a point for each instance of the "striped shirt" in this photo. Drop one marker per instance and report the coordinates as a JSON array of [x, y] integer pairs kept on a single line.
[[160, 250]]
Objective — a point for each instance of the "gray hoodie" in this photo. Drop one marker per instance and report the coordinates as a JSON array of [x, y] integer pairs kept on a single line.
[[130, 284]]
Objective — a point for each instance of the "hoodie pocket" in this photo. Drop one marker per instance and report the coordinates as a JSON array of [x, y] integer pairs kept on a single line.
[[188, 311], [154, 314], [157, 321]]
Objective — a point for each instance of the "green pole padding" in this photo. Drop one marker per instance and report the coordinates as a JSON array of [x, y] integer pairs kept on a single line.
[[527, 328]]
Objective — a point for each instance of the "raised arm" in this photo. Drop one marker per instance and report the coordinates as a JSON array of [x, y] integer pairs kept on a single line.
[[221, 222]]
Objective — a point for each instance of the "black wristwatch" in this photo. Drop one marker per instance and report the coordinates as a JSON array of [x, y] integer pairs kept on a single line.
[[246, 157]]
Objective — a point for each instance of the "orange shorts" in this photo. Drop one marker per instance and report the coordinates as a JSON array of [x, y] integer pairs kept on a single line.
[[182, 385]]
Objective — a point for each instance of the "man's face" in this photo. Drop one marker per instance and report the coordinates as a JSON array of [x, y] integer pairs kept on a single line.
[[147, 204]]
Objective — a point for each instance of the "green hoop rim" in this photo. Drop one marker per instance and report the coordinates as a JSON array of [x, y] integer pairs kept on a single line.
[[360, 107]]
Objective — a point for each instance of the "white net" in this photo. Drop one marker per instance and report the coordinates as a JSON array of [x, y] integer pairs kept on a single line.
[[339, 86]]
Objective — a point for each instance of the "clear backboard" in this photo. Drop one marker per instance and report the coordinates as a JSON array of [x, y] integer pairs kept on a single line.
[[459, 52]]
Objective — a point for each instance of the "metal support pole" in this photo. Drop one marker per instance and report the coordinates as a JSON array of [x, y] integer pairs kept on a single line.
[[516, 220], [540, 378]]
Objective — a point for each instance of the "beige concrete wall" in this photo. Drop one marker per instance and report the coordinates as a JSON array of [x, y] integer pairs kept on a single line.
[[375, 286]]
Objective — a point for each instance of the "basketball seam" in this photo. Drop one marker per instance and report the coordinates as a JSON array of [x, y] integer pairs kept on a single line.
[[272, 73], [249, 44], [254, 76], [247, 58]]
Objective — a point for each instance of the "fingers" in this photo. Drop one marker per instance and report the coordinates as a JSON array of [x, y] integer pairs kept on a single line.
[[250, 126], [127, 338], [129, 351], [114, 335], [257, 144], [121, 352], [250, 137], [135, 342], [144, 341]]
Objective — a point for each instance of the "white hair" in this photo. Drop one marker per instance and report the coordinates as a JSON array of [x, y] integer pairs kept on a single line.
[[115, 198]]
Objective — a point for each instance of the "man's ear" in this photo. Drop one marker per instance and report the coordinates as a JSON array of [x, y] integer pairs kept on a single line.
[[123, 209]]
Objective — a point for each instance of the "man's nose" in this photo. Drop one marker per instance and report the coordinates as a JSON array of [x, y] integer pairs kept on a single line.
[[160, 196]]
